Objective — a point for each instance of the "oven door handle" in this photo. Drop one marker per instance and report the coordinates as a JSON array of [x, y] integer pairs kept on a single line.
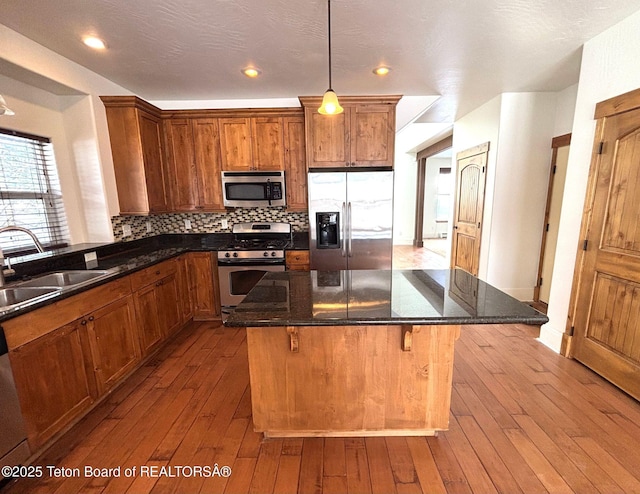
[[252, 262]]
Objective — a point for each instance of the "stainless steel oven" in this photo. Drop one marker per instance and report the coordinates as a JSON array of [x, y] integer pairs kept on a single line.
[[257, 248], [237, 280]]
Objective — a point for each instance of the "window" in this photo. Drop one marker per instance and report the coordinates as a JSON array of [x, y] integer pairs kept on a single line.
[[443, 195], [30, 194]]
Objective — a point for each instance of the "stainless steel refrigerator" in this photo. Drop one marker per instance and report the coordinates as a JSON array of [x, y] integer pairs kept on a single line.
[[350, 220]]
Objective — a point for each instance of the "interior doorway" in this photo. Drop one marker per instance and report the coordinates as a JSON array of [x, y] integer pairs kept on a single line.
[[429, 249]]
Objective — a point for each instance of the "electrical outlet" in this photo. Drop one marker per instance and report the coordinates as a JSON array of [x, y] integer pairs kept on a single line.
[[187, 224], [126, 230], [149, 227], [224, 223]]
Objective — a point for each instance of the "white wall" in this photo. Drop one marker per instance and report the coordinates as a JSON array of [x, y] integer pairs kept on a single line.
[[609, 68], [565, 110], [404, 197]]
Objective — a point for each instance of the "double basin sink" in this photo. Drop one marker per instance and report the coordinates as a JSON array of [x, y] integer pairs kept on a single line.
[[45, 286]]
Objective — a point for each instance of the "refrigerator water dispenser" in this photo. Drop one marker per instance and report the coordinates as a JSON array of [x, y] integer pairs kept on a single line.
[[328, 230]]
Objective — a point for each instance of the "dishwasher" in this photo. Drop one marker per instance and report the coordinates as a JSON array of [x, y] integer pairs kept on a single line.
[[14, 449]]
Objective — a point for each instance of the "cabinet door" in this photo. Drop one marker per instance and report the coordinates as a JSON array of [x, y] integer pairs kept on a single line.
[[267, 143], [235, 144], [149, 329], [204, 285], [327, 139], [168, 304], [206, 139], [113, 341], [182, 165], [53, 382], [297, 260], [295, 164], [184, 289], [372, 135], [151, 140]]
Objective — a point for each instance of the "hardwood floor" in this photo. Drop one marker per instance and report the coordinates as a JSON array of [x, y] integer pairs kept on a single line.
[[408, 256], [523, 419]]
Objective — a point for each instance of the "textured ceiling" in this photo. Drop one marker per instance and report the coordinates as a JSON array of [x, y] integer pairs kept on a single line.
[[468, 51]]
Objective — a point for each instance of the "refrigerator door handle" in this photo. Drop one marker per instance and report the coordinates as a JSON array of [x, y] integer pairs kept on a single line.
[[344, 229], [350, 250]]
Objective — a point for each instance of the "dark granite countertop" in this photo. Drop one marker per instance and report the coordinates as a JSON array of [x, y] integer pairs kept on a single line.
[[343, 298]]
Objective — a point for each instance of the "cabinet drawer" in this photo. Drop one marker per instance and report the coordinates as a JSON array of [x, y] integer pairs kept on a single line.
[[297, 259], [153, 274]]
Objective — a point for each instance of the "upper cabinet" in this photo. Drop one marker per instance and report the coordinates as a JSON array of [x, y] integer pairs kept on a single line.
[[193, 149], [252, 143], [362, 136], [135, 130], [295, 163]]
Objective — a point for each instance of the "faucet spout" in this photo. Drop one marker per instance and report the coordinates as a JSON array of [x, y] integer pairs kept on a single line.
[[15, 228]]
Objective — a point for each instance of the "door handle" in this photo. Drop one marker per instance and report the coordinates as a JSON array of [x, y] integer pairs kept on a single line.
[[343, 240], [350, 228]]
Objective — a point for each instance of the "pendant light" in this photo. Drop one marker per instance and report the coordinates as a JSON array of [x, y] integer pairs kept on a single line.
[[330, 104], [4, 109]]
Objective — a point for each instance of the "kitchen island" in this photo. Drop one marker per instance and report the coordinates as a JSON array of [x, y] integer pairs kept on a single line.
[[362, 353]]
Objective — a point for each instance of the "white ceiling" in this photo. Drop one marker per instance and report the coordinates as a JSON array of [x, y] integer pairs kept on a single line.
[[466, 51]]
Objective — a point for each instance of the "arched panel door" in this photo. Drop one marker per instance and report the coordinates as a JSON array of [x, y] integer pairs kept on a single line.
[[469, 205]]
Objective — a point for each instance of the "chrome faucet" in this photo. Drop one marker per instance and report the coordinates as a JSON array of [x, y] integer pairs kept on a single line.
[[14, 228]]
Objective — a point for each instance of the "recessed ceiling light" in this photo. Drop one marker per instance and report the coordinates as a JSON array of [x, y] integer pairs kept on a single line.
[[93, 42], [251, 72], [382, 70]]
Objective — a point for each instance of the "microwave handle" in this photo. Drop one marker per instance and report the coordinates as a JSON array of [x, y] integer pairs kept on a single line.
[[268, 186]]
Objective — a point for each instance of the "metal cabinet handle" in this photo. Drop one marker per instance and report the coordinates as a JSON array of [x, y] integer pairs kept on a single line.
[[83, 322], [350, 229], [91, 318]]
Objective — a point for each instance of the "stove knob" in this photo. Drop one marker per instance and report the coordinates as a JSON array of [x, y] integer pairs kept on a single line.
[[235, 254], [265, 254], [273, 254], [226, 254]]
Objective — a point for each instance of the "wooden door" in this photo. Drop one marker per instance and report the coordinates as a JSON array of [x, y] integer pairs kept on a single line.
[[267, 139], [182, 165], [112, 338], [372, 135], [168, 307], [151, 139], [149, 328], [557, 175], [295, 164], [327, 139], [607, 286], [53, 382], [204, 285], [206, 139], [235, 144], [469, 205]]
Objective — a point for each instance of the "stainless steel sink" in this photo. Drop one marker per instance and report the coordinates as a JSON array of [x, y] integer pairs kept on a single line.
[[65, 279], [10, 297]]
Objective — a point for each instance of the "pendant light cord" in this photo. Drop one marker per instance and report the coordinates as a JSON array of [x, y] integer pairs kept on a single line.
[[329, 37]]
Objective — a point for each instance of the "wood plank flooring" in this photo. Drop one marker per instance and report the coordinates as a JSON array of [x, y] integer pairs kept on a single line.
[[523, 420]]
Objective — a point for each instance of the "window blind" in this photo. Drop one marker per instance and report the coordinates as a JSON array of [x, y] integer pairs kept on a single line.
[[30, 194]]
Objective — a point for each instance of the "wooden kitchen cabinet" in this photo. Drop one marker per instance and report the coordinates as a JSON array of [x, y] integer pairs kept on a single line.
[[52, 376], [193, 149], [135, 132], [114, 347], [295, 164], [157, 304], [297, 260], [362, 136], [203, 280], [185, 305], [252, 143]]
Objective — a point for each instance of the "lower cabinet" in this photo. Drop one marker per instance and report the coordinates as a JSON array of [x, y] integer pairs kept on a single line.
[[203, 281], [53, 381], [297, 260], [113, 344]]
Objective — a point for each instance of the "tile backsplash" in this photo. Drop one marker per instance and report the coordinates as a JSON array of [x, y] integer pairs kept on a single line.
[[147, 226]]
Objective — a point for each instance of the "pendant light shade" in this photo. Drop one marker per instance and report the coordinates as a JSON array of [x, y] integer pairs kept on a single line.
[[330, 104], [5, 110]]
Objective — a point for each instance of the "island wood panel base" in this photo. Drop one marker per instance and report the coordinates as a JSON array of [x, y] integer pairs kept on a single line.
[[351, 380]]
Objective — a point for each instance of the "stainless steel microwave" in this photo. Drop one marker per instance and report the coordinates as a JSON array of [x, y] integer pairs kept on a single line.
[[253, 189]]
